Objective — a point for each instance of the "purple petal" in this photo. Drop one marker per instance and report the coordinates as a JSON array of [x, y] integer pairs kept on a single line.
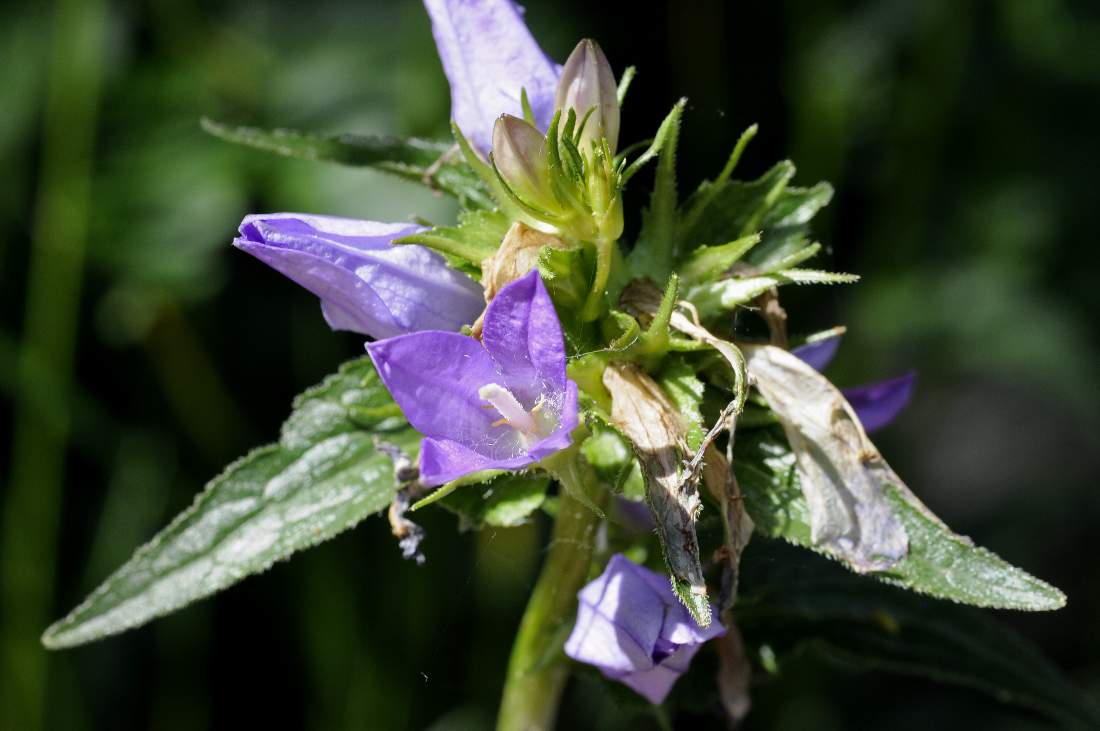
[[523, 335], [434, 377], [443, 460], [877, 404], [489, 56], [818, 353], [655, 683], [366, 285], [631, 626], [439, 380], [567, 420], [632, 514], [619, 620]]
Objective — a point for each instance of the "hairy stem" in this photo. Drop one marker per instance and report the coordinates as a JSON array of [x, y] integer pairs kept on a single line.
[[537, 670], [604, 255]]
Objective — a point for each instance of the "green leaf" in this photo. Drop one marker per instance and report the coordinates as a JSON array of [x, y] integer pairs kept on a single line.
[[786, 227], [506, 501], [697, 603], [711, 299], [567, 274], [323, 476], [711, 262], [653, 254], [732, 210], [653, 341], [939, 563], [670, 126], [796, 206], [679, 380], [792, 259], [421, 161], [867, 627], [476, 237]]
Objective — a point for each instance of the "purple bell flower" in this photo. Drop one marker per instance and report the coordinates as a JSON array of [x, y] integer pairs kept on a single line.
[[876, 404], [502, 403], [366, 284], [489, 56], [631, 626]]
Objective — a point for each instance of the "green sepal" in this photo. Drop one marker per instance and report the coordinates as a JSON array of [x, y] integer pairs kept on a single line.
[[786, 226], [699, 201], [711, 299], [670, 126], [652, 343], [697, 604], [473, 478], [506, 501], [736, 208], [567, 274], [624, 83], [656, 249], [712, 262], [476, 237]]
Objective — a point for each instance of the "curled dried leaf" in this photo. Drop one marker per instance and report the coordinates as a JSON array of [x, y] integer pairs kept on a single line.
[[737, 526], [843, 476], [649, 419]]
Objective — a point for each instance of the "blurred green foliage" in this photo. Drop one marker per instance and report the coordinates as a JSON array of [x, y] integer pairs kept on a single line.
[[960, 138]]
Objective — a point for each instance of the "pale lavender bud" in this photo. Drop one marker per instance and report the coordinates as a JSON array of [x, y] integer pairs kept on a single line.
[[366, 284], [519, 152], [588, 83]]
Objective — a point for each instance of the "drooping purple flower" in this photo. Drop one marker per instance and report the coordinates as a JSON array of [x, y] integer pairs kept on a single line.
[[876, 404], [489, 56], [631, 626], [820, 353], [366, 284], [502, 403]]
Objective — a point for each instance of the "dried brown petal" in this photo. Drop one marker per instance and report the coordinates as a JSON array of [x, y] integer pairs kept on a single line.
[[644, 413], [517, 255], [843, 476]]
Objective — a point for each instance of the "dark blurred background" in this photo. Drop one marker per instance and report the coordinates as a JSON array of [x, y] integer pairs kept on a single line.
[[139, 352]]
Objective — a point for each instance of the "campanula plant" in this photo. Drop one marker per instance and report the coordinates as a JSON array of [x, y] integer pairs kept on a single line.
[[529, 347]]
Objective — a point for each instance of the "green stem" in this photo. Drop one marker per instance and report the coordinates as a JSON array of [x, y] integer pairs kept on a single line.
[[537, 670], [592, 305]]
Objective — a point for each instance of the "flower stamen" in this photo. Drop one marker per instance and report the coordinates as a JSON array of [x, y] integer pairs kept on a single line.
[[510, 408]]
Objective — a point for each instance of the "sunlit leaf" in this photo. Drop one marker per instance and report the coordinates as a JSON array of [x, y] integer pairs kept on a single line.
[[435, 164], [939, 563], [323, 476]]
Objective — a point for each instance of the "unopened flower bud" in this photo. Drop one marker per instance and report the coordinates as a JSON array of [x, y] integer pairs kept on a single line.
[[519, 153], [587, 84]]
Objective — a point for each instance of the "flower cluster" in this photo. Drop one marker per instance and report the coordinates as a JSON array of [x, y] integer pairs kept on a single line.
[[481, 369], [526, 359]]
